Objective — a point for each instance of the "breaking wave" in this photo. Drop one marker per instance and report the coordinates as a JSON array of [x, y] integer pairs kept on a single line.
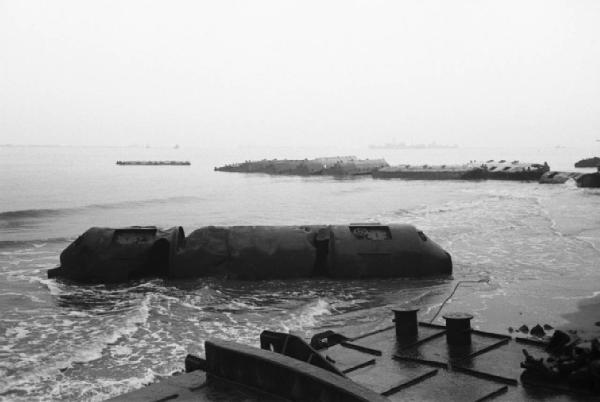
[[32, 213], [307, 316], [25, 214], [33, 243], [84, 340]]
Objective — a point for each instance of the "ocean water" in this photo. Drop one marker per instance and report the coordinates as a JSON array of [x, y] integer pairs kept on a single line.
[[538, 245]]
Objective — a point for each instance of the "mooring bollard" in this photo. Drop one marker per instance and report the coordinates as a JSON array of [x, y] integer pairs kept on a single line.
[[406, 323], [458, 328]]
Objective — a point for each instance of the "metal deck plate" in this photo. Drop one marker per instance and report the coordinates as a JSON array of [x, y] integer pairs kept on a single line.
[[427, 368]]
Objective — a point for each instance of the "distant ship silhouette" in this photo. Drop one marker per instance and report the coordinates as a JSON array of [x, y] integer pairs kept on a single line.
[[402, 145]]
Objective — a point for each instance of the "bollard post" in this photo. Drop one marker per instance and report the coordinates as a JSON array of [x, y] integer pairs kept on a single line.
[[406, 323], [458, 328]]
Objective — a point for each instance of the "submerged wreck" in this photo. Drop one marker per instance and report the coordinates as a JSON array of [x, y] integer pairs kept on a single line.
[[105, 255], [410, 360]]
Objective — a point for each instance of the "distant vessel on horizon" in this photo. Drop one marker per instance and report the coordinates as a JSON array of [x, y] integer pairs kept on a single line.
[[403, 145]]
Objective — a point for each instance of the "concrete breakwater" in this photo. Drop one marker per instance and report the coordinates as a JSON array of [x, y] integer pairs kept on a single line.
[[588, 162], [431, 172], [490, 170], [334, 166], [515, 170], [153, 163], [379, 168], [105, 255]]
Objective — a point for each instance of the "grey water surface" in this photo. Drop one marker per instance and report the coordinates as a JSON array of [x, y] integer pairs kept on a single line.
[[539, 246]]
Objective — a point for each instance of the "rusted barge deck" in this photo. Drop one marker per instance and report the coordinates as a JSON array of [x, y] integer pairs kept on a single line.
[[405, 361]]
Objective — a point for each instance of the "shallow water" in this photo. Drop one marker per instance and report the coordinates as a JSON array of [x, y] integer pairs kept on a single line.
[[539, 246]]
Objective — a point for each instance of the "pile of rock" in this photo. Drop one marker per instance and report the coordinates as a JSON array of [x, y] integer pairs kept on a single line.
[[572, 363], [538, 331]]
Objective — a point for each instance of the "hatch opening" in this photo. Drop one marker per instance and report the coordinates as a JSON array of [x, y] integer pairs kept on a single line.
[[371, 232], [321, 243]]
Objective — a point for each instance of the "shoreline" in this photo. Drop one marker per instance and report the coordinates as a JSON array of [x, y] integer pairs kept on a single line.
[[586, 320]]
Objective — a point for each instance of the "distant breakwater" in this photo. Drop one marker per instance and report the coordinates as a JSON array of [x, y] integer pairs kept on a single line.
[[328, 166], [153, 163], [379, 168], [588, 162]]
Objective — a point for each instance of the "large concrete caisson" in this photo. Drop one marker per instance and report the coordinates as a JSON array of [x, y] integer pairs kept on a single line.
[[248, 252], [361, 251], [103, 255], [589, 179]]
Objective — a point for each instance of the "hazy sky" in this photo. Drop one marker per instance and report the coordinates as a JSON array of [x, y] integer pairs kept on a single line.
[[300, 73]]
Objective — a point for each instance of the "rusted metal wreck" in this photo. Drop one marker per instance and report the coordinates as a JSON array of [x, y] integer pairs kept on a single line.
[[410, 360]]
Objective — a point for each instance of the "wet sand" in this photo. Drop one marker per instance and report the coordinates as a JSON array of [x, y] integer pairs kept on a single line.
[[586, 320]]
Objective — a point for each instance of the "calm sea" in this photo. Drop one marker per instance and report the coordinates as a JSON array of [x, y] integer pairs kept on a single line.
[[539, 246]]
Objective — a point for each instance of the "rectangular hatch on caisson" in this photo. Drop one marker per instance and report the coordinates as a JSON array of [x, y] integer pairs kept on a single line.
[[104, 255]]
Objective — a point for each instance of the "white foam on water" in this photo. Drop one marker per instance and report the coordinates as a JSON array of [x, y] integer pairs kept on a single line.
[[192, 306], [16, 333], [26, 252], [584, 297], [31, 374], [54, 287], [116, 388], [130, 324], [570, 184], [121, 350], [75, 313], [31, 297], [100, 388], [306, 316]]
